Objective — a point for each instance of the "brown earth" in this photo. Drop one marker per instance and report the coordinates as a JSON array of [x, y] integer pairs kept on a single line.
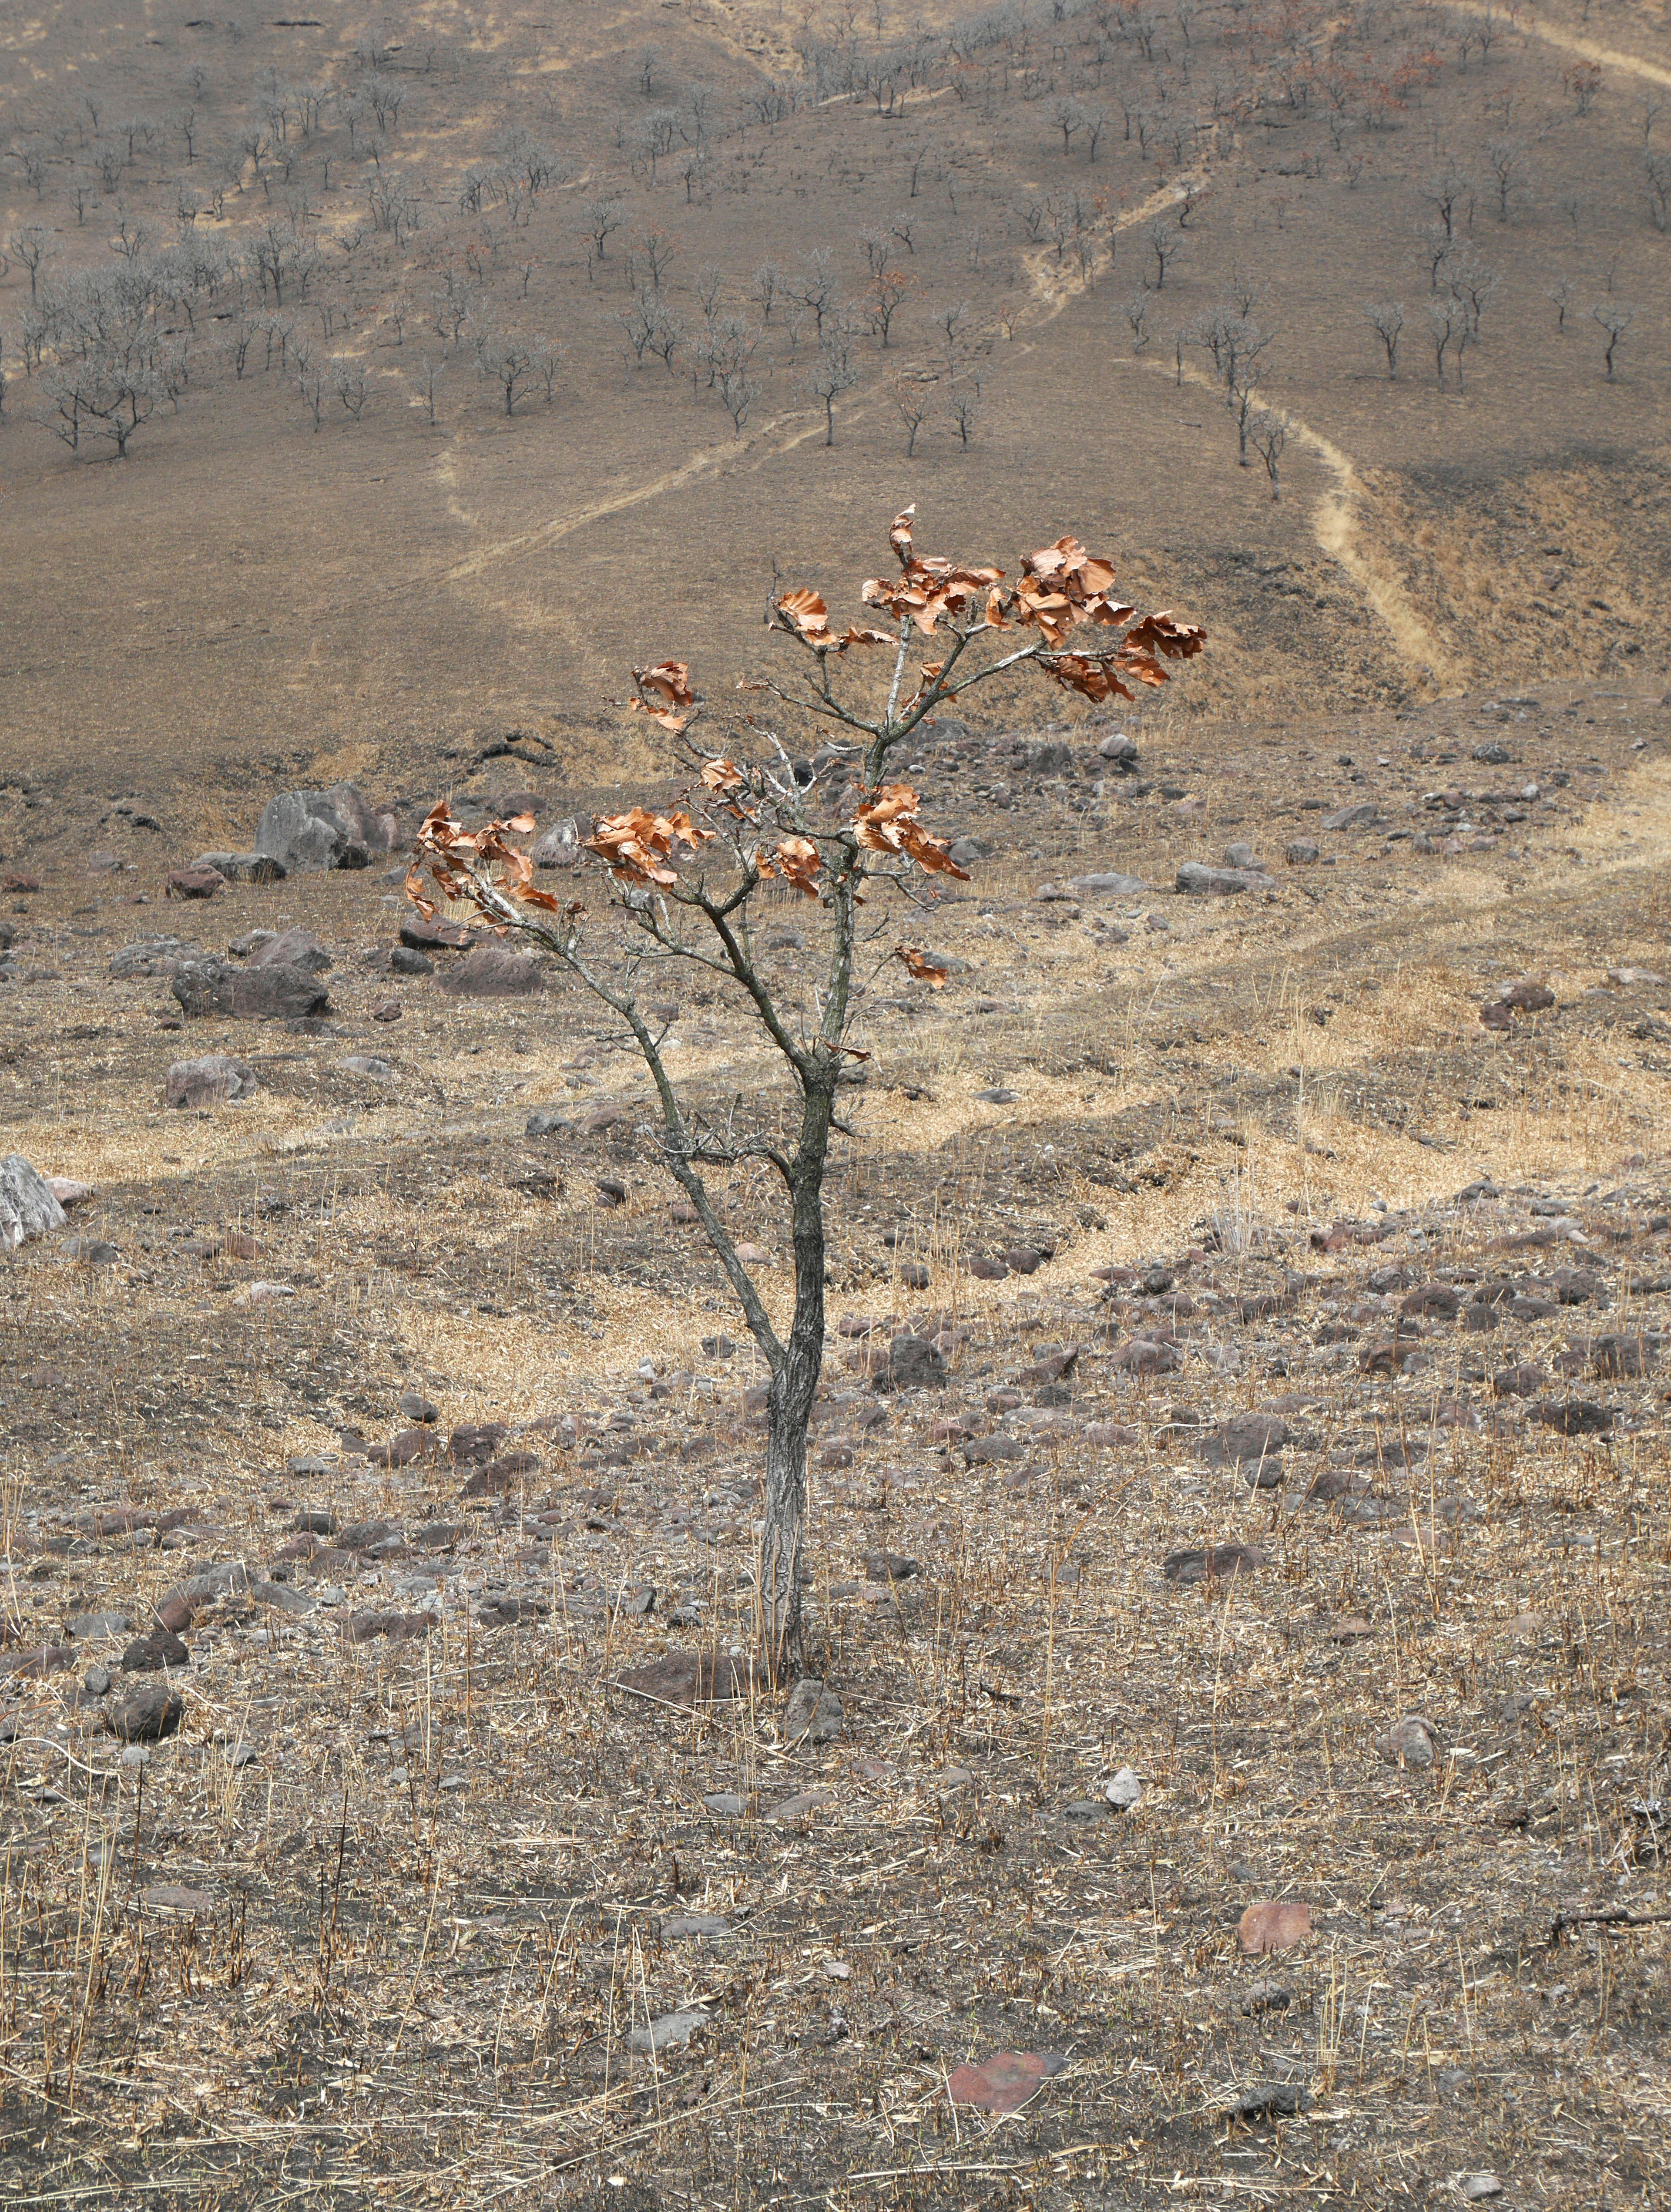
[[1287, 1259]]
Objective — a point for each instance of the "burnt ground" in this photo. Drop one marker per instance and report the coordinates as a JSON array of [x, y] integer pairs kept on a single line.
[[1280, 1249]]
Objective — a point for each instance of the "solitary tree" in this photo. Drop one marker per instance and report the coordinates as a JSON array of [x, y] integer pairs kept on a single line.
[[691, 887]]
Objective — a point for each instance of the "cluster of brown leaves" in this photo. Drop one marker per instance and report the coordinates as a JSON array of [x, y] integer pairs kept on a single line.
[[797, 861], [804, 614], [1062, 587], [455, 853], [918, 962], [661, 690], [888, 823], [638, 847], [927, 589]]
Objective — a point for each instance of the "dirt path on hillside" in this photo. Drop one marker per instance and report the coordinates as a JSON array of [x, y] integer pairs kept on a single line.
[[1604, 56]]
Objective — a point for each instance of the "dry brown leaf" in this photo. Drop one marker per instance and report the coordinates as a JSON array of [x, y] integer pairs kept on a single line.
[[921, 966]]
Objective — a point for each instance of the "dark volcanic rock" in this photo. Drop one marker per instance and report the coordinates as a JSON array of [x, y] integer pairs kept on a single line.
[[213, 1080], [492, 971], [148, 1715], [1197, 880], [276, 993]]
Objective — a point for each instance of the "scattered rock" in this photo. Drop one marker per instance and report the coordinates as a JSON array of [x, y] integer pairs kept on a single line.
[[1123, 1789], [161, 1648], [1214, 1563], [278, 993], [672, 2028], [148, 1715], [312, 829], [1197, 880], [1477, 2186], [1574, 1417], [914, 1364], [1621, 1358], [813, 1715], [1272, 1926], [1302, 852], [1408, 1742], [213, 1080], [404, 961], [1363, 815], [493, 971], [726, 1804], [691, 1678], [1268, 2100], [200, 881], [295, 947], [420, 934], [368, 1066], [27, 1207], [1005, 2081], [399, 1627]]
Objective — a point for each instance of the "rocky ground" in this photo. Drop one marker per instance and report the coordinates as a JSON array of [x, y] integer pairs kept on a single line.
[[1240, 1528]]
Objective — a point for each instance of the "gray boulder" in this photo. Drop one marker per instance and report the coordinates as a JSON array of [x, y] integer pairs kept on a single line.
[[314, 829], [1197, 880], [213, 1080], [153, 955], [292, 948], [279, 993], [1120, 751], [243, 868], [1363, 815], [27, 1207], [493, 972], [560, 846], [1108, 885]]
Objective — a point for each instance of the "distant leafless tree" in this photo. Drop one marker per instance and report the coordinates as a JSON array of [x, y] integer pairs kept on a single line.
[[913, 396], [347, 380], [313, 384], [427, 385], [1656, 174], [963, 404], [766, 284], [1165, 243], [1267, 434], [1560, 295], [648, 58], [1615, 319], [1386, 318], [1507, 159], [1136, 312], [1449, 189], [1450, 323], [829, 376], [599, 219], [738, 393], [815, 288], [31, 247], [881, 301]]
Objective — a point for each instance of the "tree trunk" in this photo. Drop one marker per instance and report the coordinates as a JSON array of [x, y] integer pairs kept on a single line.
[[789, 1405]]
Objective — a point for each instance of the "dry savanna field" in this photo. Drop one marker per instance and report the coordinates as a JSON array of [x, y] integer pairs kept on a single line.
[[1231, 1767]]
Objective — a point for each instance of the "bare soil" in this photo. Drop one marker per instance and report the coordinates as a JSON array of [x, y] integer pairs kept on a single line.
[[379, 1921]]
